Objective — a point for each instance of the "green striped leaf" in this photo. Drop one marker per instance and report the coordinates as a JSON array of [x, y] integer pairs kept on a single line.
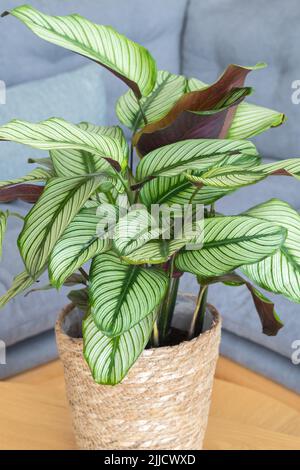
[[110, 358], [20, 283], [230, 177], [230, 242], [128, 60], [178, 190], [38, 174], [134, 230], [155, 251], [194, 154], [289, 167], [58, 134], [114, 132], [60, 201], [121, 295], [85, 237], [74, 162], [168, 89], [233, 177], [249, 119], [279, 273], [3, 224]]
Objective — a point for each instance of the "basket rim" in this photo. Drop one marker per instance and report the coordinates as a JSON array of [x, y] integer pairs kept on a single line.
[[203, 337]]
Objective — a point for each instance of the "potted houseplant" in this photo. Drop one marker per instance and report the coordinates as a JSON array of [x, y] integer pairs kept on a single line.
[[133, 380]]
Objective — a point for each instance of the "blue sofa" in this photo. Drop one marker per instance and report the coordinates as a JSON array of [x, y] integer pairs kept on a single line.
[[195, 38]]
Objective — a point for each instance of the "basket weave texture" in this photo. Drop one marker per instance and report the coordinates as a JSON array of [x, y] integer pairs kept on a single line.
[[163, 403]]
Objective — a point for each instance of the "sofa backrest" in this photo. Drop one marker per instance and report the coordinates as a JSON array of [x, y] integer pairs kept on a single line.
[[156, 24], [233, 31]]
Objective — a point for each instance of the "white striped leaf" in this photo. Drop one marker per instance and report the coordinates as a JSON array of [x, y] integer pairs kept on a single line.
[[110, 358], [233, 177], [168, 89], [134, 230], [230, 242], [121, 295], [128, 60], [230, 177], [194, 154], [290, 167], [249, 119], [74, 162], [58, 134], [115, 132], [20, 283], [38, 174], [3, 224], [85, 237], [279, 273], [155, 251], [178, 190], [60, 201]]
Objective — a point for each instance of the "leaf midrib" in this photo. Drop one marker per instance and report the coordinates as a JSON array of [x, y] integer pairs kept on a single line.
[[228, 241]]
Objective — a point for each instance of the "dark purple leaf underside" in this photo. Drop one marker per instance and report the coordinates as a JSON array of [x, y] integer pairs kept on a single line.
[[182, 123], [25, 192]]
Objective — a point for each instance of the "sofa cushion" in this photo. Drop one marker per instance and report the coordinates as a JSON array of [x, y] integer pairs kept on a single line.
[[219, 33], [261, 360], [40, 99], [156, 25]]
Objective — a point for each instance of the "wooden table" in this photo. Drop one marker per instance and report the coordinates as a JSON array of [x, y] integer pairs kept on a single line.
[[248, 411]]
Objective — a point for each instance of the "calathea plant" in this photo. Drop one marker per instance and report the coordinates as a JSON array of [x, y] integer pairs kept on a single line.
[[190, 138]]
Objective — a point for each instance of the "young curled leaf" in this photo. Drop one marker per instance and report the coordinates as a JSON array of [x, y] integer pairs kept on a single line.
[[205, 113]]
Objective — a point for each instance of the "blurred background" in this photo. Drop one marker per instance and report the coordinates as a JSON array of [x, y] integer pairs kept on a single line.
[[191, 37]]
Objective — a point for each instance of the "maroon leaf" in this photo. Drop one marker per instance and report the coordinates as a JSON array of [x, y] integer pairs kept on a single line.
[[25, 192], [266, 310], [205, 113]]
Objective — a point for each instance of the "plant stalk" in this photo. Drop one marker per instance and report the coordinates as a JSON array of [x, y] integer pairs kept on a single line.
[[84, 273], [155, 335], [199, 313], [169, 302], [142, 113]]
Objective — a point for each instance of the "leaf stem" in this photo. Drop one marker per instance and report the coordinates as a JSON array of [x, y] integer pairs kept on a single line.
[[84, 273], [142, 113], [199, 311], [155, 335], [16, 214], [168, 303]]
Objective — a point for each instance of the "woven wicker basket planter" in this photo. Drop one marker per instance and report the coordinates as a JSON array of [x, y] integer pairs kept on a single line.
[[163, 403]]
